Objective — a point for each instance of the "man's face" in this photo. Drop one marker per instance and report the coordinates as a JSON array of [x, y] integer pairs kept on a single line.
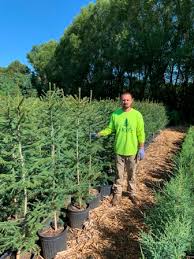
[[126, 100]]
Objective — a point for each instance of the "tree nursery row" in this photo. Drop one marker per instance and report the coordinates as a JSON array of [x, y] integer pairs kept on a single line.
[[171, 220], [50, 168]]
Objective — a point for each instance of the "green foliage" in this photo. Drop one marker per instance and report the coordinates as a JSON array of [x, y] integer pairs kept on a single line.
[[16, 79], [16, 83], [55, 150], [84, 163], [8, 86], [42, 59], [21, 234], [171, 220], [148, 41], [17, 67], [40, 56], [47, 154], [19, 173], [172, 243], [154, 116], [149, 51]]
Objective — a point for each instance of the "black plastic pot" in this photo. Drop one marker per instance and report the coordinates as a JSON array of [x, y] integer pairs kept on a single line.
[[76, 218], [95, 202], [8, 254], [190, 255], [13, 255], [51, 245], [105, 190]]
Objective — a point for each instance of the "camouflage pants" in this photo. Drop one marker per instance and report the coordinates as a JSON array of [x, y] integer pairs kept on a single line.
[[125, 178]]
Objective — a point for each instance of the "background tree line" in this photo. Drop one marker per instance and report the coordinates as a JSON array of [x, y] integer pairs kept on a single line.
[[145, 46]]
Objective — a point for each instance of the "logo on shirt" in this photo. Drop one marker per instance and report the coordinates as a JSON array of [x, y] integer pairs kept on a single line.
[[126, 123], [127, 127]]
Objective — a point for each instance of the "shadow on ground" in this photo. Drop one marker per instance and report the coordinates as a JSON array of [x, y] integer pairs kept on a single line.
[[123, 243]]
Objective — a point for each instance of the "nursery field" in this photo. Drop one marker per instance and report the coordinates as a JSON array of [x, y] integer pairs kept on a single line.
[[58, 136], [113, 232], [51, 171]]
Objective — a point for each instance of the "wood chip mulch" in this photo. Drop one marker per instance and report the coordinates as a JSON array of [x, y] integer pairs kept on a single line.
[[112, 232]]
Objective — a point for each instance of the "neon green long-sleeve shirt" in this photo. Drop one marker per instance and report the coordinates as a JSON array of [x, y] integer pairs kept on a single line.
[[129, 130]]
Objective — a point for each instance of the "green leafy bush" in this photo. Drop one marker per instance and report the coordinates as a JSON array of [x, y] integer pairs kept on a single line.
[[171, 220]]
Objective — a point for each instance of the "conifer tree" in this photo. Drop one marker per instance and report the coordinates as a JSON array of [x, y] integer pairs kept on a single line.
[[56, 126], [19, 176], [79, 146]]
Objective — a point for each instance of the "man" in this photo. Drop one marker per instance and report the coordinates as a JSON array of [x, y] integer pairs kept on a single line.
[[128, 125]]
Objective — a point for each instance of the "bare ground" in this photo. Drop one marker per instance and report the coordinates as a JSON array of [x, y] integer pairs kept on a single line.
[[112, 232]]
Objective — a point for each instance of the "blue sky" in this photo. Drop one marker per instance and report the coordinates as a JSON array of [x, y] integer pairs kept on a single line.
[[25, 23]]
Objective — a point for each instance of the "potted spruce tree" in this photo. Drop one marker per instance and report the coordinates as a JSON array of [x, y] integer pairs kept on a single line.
[[78, 210], [101, 177], [94, 167], [54, 152], [86, 162], [106, 153], [19, 142]]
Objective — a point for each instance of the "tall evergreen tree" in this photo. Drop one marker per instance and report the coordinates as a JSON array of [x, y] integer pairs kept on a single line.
[[19, 177]]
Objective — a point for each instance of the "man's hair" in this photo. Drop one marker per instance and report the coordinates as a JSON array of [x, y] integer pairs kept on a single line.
[[126, 92]]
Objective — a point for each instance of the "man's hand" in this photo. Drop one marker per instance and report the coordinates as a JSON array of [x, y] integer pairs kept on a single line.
[[94, 135], [140, 154]]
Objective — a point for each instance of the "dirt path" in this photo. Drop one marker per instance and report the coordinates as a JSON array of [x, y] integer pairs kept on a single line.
[[112, 232]]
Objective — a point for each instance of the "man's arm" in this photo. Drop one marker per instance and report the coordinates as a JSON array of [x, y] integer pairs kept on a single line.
[[140, 131], [140, 137], [105, 132]]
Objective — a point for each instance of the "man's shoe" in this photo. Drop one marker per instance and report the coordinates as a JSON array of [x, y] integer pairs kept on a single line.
[[116, 200]]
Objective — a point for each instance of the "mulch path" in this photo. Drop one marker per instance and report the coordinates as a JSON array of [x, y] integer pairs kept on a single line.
[[112, 232]]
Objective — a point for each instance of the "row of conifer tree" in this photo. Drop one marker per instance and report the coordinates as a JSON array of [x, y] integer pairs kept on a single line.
[[47, 154]]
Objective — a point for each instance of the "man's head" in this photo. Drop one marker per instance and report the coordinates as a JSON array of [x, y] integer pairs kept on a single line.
[[126, 101]]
